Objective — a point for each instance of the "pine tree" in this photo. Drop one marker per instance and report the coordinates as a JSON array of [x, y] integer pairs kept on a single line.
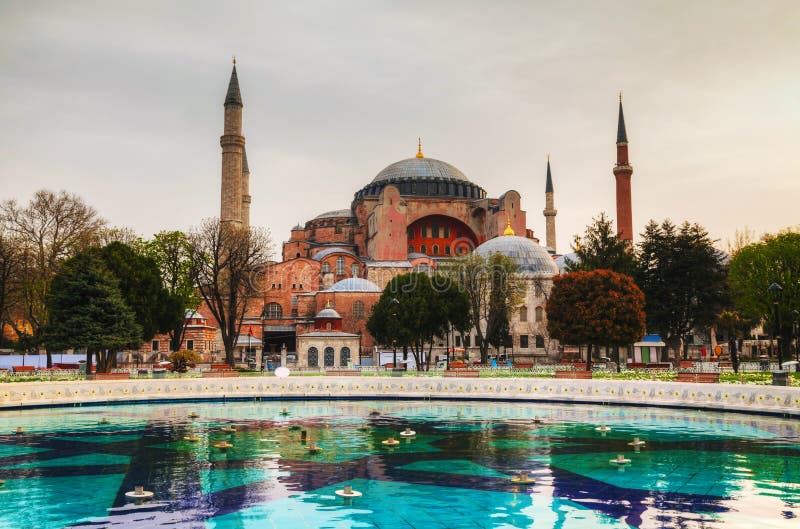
[[87, 310]]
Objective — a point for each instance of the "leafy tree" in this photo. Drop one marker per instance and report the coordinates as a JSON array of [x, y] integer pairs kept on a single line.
[[87, 310], [140, 283], [413, 309], [493, 289], [775, 259], [172, 253], [683, 278], [225, 263], [597, 307], [601, 249], [10, 256], [52, 228]]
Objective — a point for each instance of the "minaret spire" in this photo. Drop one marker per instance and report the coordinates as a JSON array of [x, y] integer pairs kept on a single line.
[[622, 136], [622, 174], [235, 198], [549, 209]]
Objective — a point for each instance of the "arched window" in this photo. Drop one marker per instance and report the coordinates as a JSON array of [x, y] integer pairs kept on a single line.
[[313, 357], [354, 271], [329, 357], [423, 249], [523, 313], [410, 248], [344, 356], [326, 268], [273, 311], [435, 249], [340, 266], [358, 310], [328, 326], [539, 341], [410, 233], [539, 314]]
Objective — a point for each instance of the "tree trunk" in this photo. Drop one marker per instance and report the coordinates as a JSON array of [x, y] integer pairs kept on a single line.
[[89, 355], [49, 358], [734, 354], [589, 358]]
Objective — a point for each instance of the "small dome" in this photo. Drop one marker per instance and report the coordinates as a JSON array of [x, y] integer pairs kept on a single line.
[[355, 284], [531, 258], [418, 168], [328, 313], [335, 214]]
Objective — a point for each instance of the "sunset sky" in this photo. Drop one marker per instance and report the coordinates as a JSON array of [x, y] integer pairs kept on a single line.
[[121, 103]]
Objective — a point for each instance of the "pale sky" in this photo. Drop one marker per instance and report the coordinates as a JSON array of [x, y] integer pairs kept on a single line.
[[121, 103]]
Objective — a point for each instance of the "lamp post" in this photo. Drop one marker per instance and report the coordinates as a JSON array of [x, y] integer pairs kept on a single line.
[[775, 292], [796, 331], [395, 303]]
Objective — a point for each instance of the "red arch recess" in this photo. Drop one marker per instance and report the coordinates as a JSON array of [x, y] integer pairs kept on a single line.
[[459, 236]]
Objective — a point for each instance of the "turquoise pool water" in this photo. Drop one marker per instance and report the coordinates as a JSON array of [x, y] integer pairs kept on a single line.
[[72, 466]]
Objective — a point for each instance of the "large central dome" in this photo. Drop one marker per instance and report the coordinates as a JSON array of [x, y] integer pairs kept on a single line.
[[423, 177], [414, 168]]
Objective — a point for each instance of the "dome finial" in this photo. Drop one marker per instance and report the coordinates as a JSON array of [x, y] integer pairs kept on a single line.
[[509, 229], [419, 148], [328, 305]]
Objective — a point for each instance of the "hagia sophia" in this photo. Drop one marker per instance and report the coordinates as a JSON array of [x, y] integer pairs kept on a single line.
[[411, 216]]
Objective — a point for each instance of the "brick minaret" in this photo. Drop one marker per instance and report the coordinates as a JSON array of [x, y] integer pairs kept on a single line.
[[232, 143], [623, 172], [549, 209], [245, 190]]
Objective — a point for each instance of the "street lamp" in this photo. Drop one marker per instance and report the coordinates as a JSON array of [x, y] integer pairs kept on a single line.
[[796, 329], [395, 303], [775, 293]]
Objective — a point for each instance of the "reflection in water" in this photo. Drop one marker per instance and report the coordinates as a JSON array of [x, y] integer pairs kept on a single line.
[[681, 468]]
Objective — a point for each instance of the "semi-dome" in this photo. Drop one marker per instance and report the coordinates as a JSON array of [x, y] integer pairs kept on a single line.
[[531, 258], [420, 168], [335, 214], [355, 284]]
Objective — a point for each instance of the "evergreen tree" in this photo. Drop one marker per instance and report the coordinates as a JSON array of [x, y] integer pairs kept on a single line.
[[601, 249], [683, 278], [140, 283], [87, 310]]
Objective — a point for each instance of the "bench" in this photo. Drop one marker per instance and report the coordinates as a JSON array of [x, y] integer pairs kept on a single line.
[[711, 378], [343, 372], [522, 366], [220, 370], [659, 365], [579, 374], [111, 376], [465, 373], [23, 369], [686, 363]]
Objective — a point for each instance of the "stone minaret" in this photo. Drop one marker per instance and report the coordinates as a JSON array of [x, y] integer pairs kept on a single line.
[[623, 172], [232, 143], [549, 209], [245, 190]]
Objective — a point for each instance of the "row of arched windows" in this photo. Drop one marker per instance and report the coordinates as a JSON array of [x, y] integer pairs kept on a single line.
[[354, 268], [274, 311], [328, 357]]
